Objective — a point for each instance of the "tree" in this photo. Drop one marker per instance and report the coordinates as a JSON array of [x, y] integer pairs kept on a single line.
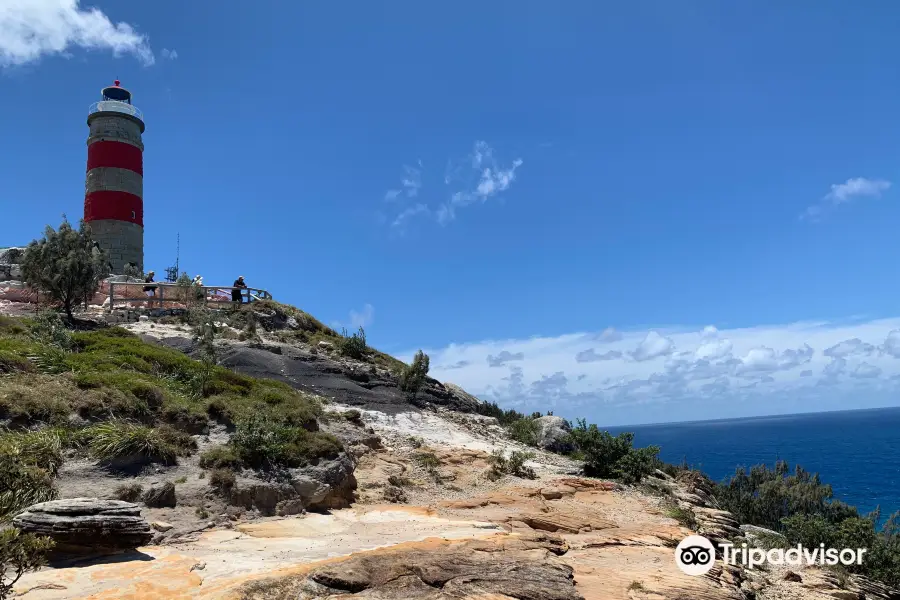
[[19, 553], [413, 376], [65, 264]]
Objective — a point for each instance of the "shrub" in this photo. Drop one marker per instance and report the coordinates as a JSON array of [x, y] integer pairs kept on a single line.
[[637, 464], [606, 455], [219, 457], [263, 441], [504, 417], [48, 328], [514, 465], [129, 492], [116, 440], [353, 346], [800, 507], [684, 516], [222, 479], [413, 376], [65, 264], [428, 461], [28, 462], [20, 553], [525, 431]]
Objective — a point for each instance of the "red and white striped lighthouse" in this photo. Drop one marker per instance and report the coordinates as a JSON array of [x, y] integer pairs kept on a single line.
[[114, 187]]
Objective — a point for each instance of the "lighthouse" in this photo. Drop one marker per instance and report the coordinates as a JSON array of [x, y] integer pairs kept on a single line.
[[114, 186]]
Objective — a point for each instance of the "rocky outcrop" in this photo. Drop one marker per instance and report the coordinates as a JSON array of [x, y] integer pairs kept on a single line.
[[510, 568], [553, 434], [87, 525], [327, 485], [347, 381]]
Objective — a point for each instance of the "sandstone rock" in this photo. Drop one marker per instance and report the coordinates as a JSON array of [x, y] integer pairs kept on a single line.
[[842, 594], [792, 576], [329, 484], [559, 522], [87, 525], [161, 496], [554, 433], [511, 568], [289, 507], [161, 526]]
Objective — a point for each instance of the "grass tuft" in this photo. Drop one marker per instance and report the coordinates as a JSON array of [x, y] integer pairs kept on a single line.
[[117, 440]]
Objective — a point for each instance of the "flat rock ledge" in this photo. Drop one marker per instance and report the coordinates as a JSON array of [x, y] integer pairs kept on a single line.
[[86, 525]]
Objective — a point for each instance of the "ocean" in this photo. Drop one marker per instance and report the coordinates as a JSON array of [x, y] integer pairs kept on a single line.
[[857, 452]]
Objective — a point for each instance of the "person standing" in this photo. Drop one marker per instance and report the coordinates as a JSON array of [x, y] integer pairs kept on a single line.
[[150, 290], [236, 294]]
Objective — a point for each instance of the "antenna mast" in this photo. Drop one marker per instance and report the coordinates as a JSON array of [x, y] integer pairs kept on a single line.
[[172, 272]]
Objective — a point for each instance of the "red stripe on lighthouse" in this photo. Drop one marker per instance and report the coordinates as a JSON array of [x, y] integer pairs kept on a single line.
[[115, 154], [119, 206]]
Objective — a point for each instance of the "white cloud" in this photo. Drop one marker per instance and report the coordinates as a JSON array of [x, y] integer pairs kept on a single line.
[[30, 29], [410, 184], [358, 319], [653, 346], [485, 179], [504, 357], [840, 193], [169, 54], [684, 373], [856, 188], [477, 178], [408, 213]]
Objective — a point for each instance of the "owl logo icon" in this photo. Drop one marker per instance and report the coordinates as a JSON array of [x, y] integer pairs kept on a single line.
[[695, 555]]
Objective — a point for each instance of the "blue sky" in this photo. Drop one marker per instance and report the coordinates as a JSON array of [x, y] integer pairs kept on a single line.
[[482, 178]]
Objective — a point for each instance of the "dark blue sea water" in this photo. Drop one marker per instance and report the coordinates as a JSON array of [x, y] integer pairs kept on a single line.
[[857, 452]]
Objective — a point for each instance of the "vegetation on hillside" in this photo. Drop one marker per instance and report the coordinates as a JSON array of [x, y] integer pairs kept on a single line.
[[798, 505], [136, 403]]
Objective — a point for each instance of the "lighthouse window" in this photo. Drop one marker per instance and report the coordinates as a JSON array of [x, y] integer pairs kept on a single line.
[[133, 216]]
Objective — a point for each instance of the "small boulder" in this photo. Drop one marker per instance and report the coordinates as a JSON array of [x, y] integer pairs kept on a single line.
[[553, 434], [792, 576], [161, 526], [289, 507], [161, 496], [394, 494], [86, 525]]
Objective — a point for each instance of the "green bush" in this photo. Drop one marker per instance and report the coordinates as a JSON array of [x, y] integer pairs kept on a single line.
[[263, 441], [219, 457], [513, 465], [801, 508], [525, 431], [637, 464], [49, 329], [504, 417], [19, 554], [413, 376], [684, 516], [353, 346], [428, 461], [606, 455], [222, 479], [28, 461]]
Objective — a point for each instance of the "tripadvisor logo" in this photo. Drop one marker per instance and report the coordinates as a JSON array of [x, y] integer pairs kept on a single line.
[[696, 555]]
